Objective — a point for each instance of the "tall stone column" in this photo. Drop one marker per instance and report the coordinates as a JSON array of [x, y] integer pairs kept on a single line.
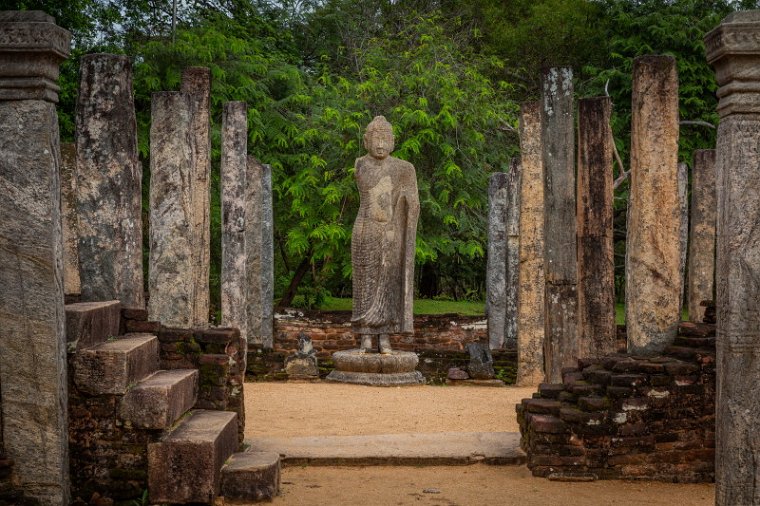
[[531, 288], [653, 245], [496, 268], [234, 177], [32, 341], [70, 218], [558, 137], [170, 282], [733, 49], [683, 202], [109, 182], [196, 81], [701, 285], [259, 254], [513, 252], [596, 261]]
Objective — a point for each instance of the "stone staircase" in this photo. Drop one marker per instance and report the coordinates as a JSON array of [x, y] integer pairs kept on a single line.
[[133, 426]]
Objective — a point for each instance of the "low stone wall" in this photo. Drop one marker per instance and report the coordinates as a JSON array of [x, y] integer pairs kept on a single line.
[[218, 354], [439, 340], [628, 417]]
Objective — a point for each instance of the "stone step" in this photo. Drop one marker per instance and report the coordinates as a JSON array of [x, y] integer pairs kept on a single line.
[[160, 399], [251, 477], [185, 466], [113, 366], [435, 449], [91, 323]]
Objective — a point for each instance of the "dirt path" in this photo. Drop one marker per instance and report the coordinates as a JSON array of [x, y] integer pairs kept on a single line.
[[303, 409]]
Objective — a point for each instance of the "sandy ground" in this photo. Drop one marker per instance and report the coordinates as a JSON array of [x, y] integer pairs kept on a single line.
[[303, 409]]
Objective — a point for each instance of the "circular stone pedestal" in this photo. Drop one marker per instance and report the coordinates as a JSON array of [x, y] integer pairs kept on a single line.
[[378, 369]]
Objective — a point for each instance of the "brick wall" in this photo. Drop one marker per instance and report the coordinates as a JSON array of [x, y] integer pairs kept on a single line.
[[628, 417]]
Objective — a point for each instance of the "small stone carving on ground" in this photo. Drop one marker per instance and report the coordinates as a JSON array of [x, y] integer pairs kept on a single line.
[[455, 373], [303, 365], [481, 361]]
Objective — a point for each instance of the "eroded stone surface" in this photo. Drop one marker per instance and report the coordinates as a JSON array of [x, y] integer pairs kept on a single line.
[[701, 284], [653, 247], [733, 49], [496, 270], [512, 292], [33, 339], [171, 233], [91, 323], [160, 399], [109, 182], [560, 262], [234, 177], [112, 367], [530, 308], [196, 81], [185, 466], [251, 477], [481, 362], [596, 260], [259, 253], [394, 362], [70, 218]]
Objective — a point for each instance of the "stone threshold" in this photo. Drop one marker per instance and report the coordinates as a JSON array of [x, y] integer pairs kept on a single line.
[[430, 449]]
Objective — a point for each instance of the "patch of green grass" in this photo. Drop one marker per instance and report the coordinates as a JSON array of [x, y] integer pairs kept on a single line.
[[421, 306]]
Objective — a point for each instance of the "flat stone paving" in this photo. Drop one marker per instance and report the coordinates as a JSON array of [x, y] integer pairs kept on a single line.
[[432, 449]]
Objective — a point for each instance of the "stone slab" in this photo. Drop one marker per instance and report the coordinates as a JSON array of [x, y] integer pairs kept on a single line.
[[436, 449], [185, 466], [70, 220], [475, 383], [160, 399], [111, 367], [91, 323], [496, 267], [251, 477], [377, 379]]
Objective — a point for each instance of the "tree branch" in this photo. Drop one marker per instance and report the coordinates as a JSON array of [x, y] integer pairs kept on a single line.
[[697, 122]]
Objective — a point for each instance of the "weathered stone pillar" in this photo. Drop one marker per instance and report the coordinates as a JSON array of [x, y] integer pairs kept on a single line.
[[234, 177], [171, 284], [32, 341], [558, 137], [70, 218], [596, 261], [513, 251], [259, 254], [530, 299], [496, 268], [109, 182], [653, 246], [733, 49], [701, 285], [683, 203], [196, 81]]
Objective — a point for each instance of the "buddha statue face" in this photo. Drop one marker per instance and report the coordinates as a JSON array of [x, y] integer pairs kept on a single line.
[[378, 140]]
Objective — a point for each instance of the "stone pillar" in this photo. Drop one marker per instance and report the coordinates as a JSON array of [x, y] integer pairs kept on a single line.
[[701, 285], [653, 248], [171, 284], [558, 137], [530, 306], [196, 81], [496, 269], [683, 202], [32, 341], [259, 254], [596, 261], [109, 182], [234, 176], [513, 252], [70, 218], [733, 49]]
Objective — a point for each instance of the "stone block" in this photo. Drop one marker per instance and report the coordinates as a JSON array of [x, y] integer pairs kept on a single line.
[[185, 466], [91, 323], [159, 400], [251, 477], [111, 367], [302, 367]]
